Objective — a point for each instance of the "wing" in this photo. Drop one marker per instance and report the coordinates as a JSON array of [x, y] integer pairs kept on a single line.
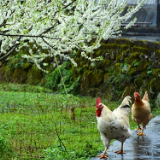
[[146, 106], [122, 113], [114, 130], [112, 127]]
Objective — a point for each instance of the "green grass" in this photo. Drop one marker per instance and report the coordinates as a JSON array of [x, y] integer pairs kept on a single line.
[[37, 125], [23, 88]]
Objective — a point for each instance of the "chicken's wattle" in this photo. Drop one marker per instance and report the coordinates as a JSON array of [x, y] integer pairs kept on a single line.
[[98, 112]]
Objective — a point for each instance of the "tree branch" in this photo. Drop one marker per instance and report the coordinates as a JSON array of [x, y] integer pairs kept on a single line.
[[61, 143], [47, 30], [28, 36], [11, 50]]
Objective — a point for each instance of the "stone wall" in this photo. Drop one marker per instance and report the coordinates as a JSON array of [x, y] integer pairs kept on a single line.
[[128, 65]]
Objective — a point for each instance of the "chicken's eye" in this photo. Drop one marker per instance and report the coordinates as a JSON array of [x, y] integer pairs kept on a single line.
[[126, 106]]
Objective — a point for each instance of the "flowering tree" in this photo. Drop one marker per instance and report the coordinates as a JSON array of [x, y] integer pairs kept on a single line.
[[60, 26]]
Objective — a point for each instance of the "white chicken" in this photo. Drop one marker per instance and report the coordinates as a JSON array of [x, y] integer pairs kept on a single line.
[[113, 125]]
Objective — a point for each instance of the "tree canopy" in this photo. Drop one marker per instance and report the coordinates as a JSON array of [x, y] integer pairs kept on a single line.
[[60, 26]]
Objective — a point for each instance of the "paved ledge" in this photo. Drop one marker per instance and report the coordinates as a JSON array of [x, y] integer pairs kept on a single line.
[[147, 38], [139, 148]]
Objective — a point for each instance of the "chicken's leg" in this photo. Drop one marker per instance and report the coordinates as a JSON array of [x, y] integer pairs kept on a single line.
[[139, 128], [104, 154], [121, 150]]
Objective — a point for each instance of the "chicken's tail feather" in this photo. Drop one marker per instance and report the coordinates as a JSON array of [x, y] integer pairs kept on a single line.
[[98, 101], [126, 101], [145, 97]]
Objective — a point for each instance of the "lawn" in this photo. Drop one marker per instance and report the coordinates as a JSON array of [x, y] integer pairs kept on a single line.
[[36, 124]]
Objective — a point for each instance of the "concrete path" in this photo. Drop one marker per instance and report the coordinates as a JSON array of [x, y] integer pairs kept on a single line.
[[139, 148]]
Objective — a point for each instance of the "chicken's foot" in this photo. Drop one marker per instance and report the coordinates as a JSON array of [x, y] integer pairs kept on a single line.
[[121, 150], [103, 155], [141, 134]]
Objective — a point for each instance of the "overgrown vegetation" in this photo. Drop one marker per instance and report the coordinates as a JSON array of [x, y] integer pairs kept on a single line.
[[126, 67], [54, 79], [119, 77], [37, 125]]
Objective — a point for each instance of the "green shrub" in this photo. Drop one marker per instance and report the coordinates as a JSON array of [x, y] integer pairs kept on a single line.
[[54, 80]]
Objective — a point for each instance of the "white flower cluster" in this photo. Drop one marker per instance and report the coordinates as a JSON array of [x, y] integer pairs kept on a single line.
[[60, 26]]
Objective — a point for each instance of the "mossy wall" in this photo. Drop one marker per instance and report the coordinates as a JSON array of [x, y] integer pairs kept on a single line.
[[128, 65]]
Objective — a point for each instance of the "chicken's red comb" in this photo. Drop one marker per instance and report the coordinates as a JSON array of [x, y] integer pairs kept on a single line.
[[98, 101]]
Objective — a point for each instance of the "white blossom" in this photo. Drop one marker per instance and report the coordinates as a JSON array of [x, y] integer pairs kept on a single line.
[[61, 26]]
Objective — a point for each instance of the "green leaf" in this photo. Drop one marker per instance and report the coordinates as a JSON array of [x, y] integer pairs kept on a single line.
[[149, 72], [136, 64]]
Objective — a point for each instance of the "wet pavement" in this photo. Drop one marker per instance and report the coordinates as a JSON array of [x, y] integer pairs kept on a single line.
[[139, 148]]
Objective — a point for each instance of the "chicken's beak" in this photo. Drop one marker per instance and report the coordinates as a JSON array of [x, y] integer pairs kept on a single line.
[[135, 96]]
